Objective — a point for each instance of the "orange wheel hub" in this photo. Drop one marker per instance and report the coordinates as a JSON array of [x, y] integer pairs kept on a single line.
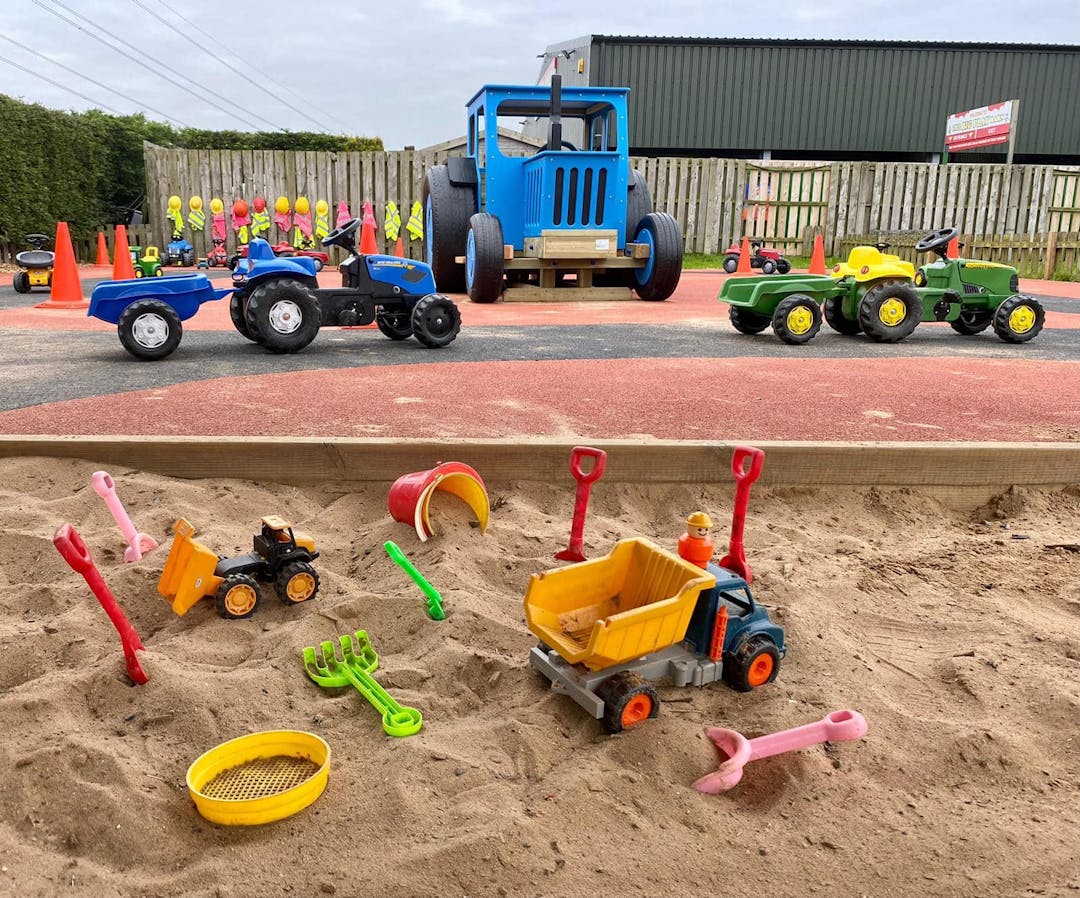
[[637, 709], [761, 669]]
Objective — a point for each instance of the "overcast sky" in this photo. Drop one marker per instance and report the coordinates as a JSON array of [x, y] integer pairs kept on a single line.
[[403, 69]]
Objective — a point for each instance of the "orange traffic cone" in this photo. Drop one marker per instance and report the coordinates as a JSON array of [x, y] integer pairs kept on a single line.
[[399, 249], [122, 268], [66, 290], [817, 260], [954, 248], [744, 258], [102, 250], [368, 245]]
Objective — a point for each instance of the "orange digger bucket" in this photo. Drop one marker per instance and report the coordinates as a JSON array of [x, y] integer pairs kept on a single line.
[[189, 570]]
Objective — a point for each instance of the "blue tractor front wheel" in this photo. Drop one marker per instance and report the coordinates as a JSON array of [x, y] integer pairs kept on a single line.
[[659, 277], [484, 258]]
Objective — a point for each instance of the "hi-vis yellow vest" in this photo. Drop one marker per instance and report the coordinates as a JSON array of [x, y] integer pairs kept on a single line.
[[322, 225], [415, 227], [177, 219], [260, 222], [392, 221], [196, 219]]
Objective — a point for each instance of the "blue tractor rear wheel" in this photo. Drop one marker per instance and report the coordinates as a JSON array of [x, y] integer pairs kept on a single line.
[[447, 209], [484, 258]]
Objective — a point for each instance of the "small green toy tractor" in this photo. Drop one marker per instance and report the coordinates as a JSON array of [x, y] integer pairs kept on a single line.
[[881, 295]]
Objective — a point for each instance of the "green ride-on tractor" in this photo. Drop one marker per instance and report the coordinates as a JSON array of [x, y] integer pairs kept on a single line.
[[881, 295]]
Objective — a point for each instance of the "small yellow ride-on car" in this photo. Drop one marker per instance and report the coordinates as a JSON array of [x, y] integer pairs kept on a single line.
[[281, 556], [36, 265]]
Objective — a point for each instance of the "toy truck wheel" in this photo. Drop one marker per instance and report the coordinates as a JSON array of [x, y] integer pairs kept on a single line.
[[768, 266], [628, 700], [284, 313], [755, 663], [149, 329], [783, 266], [837, 320], [435, 320], [746, 321], [21, 282], [972, 321], [139, 273], [890, 311], [638, 201], [731, 263], [659, 277], [236, 313], [484, 258], [238, 596], [318, 263], [797, 319], [395, 325], [1019, 319], [447, 209], [297, 582]]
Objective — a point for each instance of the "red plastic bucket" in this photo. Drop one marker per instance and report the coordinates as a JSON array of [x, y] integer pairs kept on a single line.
[[410, 495]]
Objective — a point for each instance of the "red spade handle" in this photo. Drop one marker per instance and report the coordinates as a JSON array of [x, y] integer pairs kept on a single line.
[[579, 454]]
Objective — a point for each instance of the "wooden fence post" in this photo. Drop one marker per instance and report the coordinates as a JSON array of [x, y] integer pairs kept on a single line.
[[1050, 258]]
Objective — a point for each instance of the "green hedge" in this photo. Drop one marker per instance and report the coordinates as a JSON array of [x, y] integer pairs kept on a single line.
[[86, 168]]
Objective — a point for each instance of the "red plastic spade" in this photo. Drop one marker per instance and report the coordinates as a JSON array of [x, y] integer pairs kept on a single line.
[[735, 560], [74, 552], [585, 480]]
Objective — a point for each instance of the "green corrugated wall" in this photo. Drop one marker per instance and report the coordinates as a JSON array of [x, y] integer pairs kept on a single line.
[[822, 97]]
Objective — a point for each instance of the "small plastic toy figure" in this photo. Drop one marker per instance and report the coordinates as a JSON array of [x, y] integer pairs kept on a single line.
[[696, 546]]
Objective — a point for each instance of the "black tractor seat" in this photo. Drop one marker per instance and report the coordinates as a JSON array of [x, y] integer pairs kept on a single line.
[[34, 259]]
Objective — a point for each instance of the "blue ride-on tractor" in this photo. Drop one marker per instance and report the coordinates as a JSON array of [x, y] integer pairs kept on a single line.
[[278, 303], [574, 207]]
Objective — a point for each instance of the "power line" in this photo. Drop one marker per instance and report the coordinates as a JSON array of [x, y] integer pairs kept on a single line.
[[61, 86], [223, 60], [156, 71], [138, 104]]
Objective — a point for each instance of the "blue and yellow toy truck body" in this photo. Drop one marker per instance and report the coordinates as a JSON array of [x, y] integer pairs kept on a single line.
[[573, 206]]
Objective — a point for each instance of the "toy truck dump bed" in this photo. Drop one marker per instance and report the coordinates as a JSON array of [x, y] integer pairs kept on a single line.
[[636, 599]]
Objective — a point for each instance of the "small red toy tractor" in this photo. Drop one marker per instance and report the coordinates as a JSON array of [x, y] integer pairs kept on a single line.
[[769, 260]]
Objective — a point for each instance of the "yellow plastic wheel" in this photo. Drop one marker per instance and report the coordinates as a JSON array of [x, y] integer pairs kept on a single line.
[[301, 587], [800, 320], [240, 600], [892, 311], [1022, 319]]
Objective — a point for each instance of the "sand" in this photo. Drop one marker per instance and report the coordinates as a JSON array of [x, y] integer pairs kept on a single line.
[[954, 636]]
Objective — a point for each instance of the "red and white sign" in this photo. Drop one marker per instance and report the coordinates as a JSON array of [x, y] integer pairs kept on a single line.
[[980, 127]]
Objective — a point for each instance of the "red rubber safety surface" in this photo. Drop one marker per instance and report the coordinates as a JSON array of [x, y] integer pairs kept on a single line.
[[695, 399]]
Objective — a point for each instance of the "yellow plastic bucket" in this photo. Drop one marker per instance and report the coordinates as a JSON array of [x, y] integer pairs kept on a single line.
[[260, 777]]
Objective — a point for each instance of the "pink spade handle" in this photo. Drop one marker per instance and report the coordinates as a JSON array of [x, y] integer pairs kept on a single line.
[[138, 543], [737, 751]]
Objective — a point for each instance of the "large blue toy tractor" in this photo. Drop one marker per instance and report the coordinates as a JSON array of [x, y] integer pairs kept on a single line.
[[573, 207]]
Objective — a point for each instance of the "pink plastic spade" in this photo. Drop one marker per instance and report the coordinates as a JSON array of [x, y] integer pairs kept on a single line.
[[138, 543], [575, 551], [71, 546], [735, 560], [737, 751]]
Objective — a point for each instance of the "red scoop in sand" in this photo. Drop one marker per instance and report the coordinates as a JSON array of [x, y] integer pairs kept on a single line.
[[74, 552]]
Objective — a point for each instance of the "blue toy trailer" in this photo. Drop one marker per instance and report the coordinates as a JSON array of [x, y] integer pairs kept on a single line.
[[573, 207]]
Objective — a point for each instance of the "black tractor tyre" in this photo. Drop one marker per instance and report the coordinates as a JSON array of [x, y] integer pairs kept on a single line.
[[234, 596], [1004, 325], [731, 263], [628, 701], [797, 319], [783, 266], [318, 263], [875, 319], [745, 669], [395, 325], [447, 210], [638, 201], [768, 266], [236, 313], [436, 320], [484, 260], [150, 329], [837, 320], [297, 583], [275, 323], [659, 278], [972, 321], [21, 282], [747, 321]]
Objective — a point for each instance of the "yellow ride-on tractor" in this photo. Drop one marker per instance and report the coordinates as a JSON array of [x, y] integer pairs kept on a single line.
[[36, 265], [281, 556]]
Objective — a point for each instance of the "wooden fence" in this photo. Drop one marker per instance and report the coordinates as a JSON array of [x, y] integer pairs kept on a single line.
[[716, 201]]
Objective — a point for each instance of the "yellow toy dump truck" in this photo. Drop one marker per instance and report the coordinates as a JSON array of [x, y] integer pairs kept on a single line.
[[609, 625], [281, 556]]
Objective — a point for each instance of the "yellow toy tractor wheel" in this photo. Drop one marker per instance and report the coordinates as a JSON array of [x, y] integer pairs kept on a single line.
[[238, 596], [1019, 319], [297, 582], [890, 311]]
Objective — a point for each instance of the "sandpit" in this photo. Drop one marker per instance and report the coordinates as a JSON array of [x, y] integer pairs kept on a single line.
[[954, 633]]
